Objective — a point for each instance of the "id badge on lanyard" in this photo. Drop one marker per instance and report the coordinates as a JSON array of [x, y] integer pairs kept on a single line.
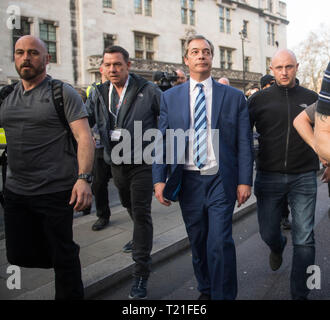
[[116, 134]]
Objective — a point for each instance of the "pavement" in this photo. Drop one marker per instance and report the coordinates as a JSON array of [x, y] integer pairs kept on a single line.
[[103, 262]]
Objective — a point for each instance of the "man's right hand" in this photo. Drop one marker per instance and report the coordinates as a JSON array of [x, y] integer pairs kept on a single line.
[[159, 189]]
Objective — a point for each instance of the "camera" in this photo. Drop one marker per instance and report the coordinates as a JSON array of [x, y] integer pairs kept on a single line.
[[164, 80]]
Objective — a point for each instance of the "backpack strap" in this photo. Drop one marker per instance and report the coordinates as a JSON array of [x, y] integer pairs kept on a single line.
[[57, 94], [6, 91]]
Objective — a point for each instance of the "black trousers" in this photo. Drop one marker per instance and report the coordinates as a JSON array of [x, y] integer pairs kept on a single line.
[[134, 183], [102, 176], [38, 232]]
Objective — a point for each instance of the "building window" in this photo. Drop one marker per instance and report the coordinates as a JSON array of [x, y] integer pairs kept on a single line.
[[148, 8], [108, 40], [225, 19], [282, 8], [138, 6], [140, 9], [107, 4], [247, 64], [270, 34], [188, 12], [144, 46], [226, 58], [48, 35], [23, 31], [268, 62], [270, 5]]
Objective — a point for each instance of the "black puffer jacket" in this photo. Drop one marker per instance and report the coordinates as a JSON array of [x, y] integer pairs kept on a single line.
[[281, 149]]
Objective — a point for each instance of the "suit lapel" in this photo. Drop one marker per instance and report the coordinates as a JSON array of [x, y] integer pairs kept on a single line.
[[185, 107], [217, 102]]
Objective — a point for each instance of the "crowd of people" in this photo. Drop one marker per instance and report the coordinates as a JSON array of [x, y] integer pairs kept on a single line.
[[50, 175]]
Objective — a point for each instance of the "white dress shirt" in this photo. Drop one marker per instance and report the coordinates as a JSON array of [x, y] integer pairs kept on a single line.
[[211, 159]]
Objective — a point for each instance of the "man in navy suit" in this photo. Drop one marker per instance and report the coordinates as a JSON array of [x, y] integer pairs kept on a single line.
[[208, 178]]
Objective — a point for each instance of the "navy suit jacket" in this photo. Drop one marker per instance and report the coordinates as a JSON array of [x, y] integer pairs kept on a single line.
[[229, 115]]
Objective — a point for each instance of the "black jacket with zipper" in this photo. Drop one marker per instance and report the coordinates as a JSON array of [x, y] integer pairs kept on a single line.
[[272, 112], [141, 104]]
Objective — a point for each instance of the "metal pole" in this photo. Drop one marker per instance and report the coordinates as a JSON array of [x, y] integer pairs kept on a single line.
[[243, 34], [243, 58]]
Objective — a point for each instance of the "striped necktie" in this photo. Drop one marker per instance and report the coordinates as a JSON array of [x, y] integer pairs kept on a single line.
[[200, 130]]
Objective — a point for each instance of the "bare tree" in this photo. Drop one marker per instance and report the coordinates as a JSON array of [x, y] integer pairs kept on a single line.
[[313, 56]]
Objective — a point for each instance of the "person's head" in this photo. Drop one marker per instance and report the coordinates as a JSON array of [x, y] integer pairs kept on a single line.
[[198, 57], [252, 90], [284, 66], [181, 76], [266, 81], [31, 58], [115, 65], [224, 81]]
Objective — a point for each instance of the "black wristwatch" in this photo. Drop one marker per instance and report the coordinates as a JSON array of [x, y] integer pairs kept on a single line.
[[86, 176]]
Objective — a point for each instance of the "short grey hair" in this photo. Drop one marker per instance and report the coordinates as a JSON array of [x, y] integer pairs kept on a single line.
[[197, 37]]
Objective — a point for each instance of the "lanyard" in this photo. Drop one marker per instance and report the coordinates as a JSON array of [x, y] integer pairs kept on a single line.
[[120, 99]]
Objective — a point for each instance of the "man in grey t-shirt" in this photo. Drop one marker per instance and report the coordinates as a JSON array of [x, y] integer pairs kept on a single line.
[[304, 124], [44, 182]]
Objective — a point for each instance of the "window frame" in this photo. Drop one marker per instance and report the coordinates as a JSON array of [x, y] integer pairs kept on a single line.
[[225, 20], [17, 33], [142, 49], [54, 58], [188, 12], [226, 58], [148, 8], [271, 33], [143, 7], [270, 5], [108, 37], [138, 7], [107, 4]]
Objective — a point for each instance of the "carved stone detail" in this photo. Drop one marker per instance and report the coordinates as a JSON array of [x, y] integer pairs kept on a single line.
[[147, 67]]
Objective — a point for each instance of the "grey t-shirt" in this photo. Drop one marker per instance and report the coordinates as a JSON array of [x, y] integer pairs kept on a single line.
[[41, 158], [310, 110]]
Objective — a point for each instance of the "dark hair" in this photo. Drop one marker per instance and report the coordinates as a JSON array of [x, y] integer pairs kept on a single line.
[[197, 37], [115, 49]]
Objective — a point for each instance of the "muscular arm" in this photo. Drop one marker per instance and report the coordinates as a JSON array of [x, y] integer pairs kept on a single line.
[[303, 125], [81, 192], [322, 135]]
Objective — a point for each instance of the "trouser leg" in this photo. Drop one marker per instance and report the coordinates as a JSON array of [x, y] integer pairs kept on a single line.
[[26, 243], [302, 198], [270, 191], [221, 250], [134, 183], [52, 238], [102, 175]]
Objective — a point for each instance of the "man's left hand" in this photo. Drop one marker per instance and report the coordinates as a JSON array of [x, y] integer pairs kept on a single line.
[[243, 193], [82, 195]]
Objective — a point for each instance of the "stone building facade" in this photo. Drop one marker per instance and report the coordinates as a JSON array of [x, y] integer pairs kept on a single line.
[[153, 32]]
